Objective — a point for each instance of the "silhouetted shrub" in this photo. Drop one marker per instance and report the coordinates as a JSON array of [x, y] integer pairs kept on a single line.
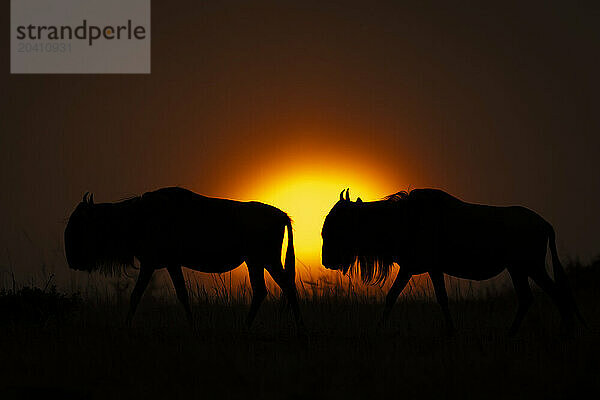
[[36, 306]]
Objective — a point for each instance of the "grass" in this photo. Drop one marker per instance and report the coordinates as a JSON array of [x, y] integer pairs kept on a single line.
[[78, 347]]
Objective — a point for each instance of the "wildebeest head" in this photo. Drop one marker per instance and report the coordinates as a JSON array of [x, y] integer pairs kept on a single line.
[[356, 236], [79, 235], [338, 239], [91, 240]]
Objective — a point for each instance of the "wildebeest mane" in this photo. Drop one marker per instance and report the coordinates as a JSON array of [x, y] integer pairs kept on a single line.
[[373, 259], [116, 228], [401, 195], [374, 222]]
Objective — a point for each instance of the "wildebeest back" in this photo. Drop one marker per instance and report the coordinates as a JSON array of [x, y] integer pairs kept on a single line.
[[177, 226], [462, 234]]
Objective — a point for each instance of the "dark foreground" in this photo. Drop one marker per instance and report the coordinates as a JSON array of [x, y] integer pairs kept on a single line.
[[85, 352]]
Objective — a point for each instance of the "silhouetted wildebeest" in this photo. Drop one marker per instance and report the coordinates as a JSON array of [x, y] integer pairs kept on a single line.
[[430, 231], [174, 227]]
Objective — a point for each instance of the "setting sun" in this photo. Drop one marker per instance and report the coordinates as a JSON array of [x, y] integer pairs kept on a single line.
[[308, 193]]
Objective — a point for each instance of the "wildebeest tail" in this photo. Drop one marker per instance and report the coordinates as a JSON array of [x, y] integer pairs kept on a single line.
[[560, 277], [290, 256]]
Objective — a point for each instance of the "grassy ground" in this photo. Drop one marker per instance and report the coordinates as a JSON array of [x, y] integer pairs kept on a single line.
[[78, 348]]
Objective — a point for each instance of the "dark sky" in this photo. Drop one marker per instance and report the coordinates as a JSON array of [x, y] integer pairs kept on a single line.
[[496, 103]]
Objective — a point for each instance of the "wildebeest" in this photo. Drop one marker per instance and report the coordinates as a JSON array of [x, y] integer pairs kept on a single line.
[[430, 231], [174, 228]]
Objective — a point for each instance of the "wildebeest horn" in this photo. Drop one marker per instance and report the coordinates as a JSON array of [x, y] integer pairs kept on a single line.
[[91, 201], [348, 194], [341, 195], [85, 200]]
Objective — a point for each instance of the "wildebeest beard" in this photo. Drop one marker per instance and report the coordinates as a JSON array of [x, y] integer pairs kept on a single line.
[[372, 264]]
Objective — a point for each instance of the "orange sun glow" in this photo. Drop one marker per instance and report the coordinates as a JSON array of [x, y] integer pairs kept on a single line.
[[307, 193]]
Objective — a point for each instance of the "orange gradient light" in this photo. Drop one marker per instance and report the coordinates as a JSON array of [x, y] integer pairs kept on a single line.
[[307, 194]]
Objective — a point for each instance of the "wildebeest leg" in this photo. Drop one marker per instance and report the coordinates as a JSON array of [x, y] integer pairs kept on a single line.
[[524, 297], [259, 290], [176, 275], [439, 286], [399, 284], [142, 282], [287, 283], [542, 279]]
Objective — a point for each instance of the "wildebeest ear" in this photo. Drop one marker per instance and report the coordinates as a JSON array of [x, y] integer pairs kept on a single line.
[[358, 200]]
